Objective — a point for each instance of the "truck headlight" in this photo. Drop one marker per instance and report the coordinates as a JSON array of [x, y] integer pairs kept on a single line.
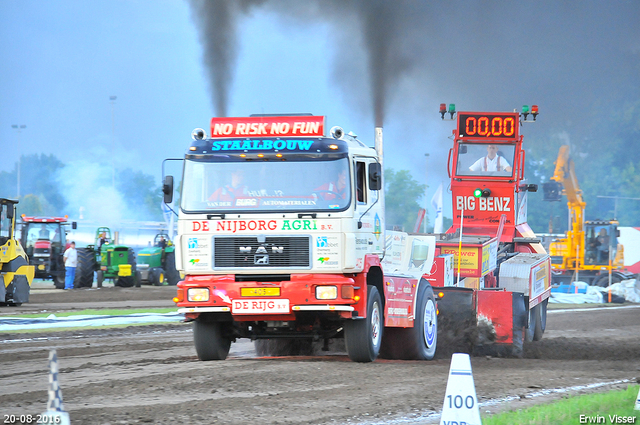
[[326, 292], [198, 294]]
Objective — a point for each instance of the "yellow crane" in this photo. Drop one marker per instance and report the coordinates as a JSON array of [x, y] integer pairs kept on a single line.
[[589, 251]]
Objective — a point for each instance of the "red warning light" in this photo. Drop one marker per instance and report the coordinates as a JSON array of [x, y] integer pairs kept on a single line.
[[443, 109]]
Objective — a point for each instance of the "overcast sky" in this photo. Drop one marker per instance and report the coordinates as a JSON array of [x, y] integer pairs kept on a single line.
[[61, 61]]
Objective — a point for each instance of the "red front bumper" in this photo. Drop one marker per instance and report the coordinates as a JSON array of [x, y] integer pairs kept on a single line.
[[285, 298]]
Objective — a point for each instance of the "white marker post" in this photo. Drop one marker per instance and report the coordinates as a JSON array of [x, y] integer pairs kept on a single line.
[[55, 413], [460, 401]]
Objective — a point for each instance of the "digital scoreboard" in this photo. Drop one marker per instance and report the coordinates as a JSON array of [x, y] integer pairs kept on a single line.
[[502, 126]]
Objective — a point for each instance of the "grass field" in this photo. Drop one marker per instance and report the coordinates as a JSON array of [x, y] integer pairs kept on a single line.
[[613, 407], [99, 312], [88, 312]]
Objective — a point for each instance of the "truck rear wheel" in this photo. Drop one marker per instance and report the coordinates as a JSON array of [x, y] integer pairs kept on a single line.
[[420, 341], [541, 324], [172, 275], [261, 347], [534, 318], [278, 347], [363, 337], [425, 331], [209, 341]]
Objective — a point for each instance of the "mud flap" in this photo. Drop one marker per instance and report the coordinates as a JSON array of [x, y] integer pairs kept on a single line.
[[520, 313], [506, 315], [457, 324]]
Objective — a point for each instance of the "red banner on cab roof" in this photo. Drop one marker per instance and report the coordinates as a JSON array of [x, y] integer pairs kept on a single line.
[[275, 126]]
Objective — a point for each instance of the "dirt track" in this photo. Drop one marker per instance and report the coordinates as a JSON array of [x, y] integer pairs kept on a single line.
[[150, 374]]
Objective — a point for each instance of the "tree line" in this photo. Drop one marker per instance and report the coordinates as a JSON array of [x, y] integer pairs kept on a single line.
[[608, 175], [42, 190]]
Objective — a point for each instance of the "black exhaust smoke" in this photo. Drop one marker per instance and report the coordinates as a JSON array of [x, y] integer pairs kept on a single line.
[[380, 24], [216, 20]]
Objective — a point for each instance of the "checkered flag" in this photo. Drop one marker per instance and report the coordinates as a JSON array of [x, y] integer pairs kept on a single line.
[[55, 393]]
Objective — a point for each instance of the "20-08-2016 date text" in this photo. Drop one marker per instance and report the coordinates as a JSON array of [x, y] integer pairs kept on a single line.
[[31, 419]]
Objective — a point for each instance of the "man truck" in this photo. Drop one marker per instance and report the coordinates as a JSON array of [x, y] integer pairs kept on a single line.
[[274, 247]]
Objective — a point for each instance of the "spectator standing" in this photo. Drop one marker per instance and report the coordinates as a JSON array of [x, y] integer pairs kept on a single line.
[[70, 264]]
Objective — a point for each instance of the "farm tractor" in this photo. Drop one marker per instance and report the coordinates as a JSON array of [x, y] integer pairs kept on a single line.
[[44, 242], [16, 274], [158, 262], [108, 259]]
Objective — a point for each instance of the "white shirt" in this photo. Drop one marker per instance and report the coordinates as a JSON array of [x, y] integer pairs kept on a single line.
[[486, 164], [71, 257]]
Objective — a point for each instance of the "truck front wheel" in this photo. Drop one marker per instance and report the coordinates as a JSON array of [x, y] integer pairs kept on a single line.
[[209, 340], [362, 337]]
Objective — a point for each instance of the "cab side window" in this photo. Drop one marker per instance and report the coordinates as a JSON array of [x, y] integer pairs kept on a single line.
[[361, 188]]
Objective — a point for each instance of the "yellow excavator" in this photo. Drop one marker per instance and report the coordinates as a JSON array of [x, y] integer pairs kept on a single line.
[[16, 274], [589, 251]]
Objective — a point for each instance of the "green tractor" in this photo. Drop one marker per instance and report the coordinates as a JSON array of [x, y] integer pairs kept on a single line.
[[158, 262], [111, 261]]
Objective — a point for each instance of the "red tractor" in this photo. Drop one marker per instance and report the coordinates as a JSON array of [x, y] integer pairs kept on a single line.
[[501, 280], [44, 240]]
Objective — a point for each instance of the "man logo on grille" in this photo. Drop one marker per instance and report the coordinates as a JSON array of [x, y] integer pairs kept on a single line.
[[261, 260]]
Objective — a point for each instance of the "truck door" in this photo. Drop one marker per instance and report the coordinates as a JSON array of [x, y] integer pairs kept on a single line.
[[368, 206]]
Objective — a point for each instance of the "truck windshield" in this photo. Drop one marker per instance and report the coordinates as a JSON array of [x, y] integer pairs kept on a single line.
[[251, 186], [482, 159]]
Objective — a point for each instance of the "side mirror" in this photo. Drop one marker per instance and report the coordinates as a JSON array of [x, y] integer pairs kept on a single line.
[[167, 189], [375, 176], [10, 211], [552, 191], [420, 254], [74, 225]]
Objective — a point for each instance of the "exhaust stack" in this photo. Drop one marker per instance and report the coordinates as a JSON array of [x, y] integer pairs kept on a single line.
[[380, 150]]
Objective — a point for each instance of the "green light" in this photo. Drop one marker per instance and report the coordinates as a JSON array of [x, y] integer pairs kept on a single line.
[[477, 193], [452, 107], [525, 109]]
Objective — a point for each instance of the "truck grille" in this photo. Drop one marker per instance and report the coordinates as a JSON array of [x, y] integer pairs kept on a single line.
[[274, 252]]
